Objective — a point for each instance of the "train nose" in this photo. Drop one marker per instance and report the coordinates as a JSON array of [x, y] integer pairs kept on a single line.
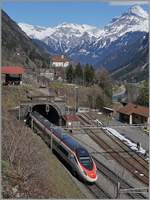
[[92, 175]]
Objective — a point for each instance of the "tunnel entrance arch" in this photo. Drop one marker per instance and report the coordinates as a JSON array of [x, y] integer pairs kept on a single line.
[[49, 112], [50, 109]]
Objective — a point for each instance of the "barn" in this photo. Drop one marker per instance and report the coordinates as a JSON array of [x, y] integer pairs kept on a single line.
[[12, 75], [133, 114]]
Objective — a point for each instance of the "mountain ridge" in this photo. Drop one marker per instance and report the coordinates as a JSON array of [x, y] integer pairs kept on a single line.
[[18, 48], [90, 40], [93, 30], [116, 50]]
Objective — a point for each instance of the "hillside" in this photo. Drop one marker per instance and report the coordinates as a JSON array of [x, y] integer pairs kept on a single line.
[[136, 69], [29, 169], [18, 48]]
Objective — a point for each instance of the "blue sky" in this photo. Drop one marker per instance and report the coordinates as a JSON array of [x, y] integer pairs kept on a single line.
[[53, 13]]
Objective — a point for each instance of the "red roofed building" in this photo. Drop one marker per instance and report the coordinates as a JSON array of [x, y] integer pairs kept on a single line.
[[133, 114], [58, 64], [72, 121], [13, 74], [59, 61]]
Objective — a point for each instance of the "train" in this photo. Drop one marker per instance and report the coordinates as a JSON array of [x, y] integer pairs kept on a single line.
[[75, 155]]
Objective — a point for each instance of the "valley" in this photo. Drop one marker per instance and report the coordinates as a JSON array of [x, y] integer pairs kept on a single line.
[[75, 101]]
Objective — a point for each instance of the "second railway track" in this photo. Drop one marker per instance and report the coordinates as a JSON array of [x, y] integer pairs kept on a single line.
[[131, 161], [98, 192], [115, 179]]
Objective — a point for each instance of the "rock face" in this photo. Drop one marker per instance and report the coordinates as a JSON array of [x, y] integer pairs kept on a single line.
[[92, 43], [18, 48]]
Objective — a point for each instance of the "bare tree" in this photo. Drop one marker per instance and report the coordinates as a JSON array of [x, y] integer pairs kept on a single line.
[[22, 154]]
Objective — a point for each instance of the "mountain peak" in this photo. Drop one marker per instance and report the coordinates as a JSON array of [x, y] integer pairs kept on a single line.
[[138, 11]]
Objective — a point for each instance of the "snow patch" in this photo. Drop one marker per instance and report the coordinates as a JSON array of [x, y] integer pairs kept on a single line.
[[132, 145], [137, 10]]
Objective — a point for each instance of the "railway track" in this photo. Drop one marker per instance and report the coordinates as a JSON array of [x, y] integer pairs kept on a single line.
[[98, 192], [115, 179], [136, 165], [138, 157]]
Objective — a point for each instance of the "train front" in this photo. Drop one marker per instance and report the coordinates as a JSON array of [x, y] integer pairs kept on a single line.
[[87, 166]]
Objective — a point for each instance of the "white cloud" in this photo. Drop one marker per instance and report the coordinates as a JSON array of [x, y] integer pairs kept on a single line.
[[128, 2]]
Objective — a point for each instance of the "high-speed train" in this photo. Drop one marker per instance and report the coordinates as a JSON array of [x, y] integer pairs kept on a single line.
[[68, 148]]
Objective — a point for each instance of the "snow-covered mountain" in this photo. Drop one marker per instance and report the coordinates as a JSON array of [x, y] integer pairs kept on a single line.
[[87, 43], [38, 32]]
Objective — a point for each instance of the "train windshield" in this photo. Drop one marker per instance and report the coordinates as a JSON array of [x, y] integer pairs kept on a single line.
[[84, 158], [86, 162]]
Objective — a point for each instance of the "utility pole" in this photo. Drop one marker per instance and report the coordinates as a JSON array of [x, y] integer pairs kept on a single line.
[[83, 77], [93, 101], [118, 190], [31, 123], [76, 99], [19, 112]]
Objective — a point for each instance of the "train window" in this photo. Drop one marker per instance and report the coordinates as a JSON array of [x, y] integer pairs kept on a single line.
[[55, 143], [63, 150], [47, 124], [84, 158], [86, 162], [49, 137], [72, 157], [57, 132]]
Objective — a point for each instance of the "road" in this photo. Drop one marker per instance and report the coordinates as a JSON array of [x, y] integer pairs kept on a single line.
[[119, 93]]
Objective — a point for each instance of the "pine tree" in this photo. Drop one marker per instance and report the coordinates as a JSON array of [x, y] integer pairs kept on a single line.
[[100, 102], [78, 74], [70, 74], [89, 74]]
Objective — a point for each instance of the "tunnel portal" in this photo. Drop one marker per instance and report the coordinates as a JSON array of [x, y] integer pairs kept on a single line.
[[49, 112]]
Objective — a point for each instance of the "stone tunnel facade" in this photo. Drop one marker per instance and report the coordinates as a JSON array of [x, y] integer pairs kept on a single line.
[[53, 111]]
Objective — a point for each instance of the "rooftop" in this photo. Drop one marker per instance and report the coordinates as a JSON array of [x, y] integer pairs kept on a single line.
[[12, 70], [71, 118], [59, 58], [134, 109]]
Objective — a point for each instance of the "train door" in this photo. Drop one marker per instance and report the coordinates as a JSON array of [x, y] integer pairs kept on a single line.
[[73, 162]]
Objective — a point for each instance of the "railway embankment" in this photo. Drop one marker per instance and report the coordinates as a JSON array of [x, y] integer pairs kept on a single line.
[[29, 169]]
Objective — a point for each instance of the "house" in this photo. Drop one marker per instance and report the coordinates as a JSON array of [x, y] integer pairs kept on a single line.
[[12, 75], [58, 64], [133, 114], [48, 74], [72, 121], [59, 61]]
